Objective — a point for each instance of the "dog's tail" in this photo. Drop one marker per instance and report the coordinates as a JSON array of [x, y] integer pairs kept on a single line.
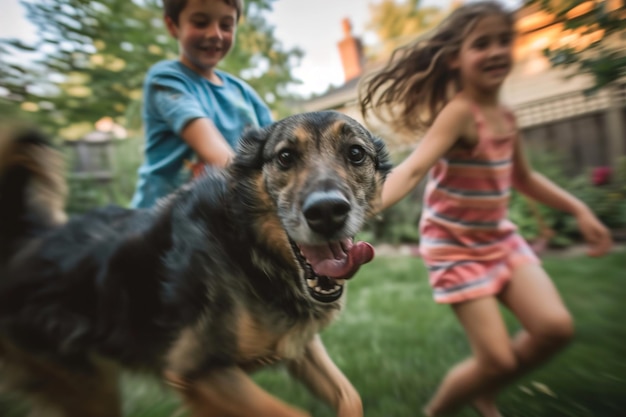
[[32, 189]]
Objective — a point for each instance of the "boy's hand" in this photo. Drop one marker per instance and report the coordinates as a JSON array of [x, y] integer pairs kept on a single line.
[[595, 233]]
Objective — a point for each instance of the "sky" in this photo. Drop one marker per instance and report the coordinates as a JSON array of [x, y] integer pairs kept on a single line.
[[313, 25]]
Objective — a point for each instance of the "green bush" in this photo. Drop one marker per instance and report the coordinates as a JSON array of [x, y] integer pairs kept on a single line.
[[608, 201], [399, 223], [89, 193]]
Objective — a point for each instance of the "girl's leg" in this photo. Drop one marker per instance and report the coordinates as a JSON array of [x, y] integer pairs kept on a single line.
[[493, 357], [486, 406], [547, 324]]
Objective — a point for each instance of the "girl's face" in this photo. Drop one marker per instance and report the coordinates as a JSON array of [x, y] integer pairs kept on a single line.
[[485, 57]]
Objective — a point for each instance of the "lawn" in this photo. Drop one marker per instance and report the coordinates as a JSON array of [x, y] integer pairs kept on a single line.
[[395, 344]]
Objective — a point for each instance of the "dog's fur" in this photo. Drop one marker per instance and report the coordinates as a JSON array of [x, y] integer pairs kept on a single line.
[[202, 289]]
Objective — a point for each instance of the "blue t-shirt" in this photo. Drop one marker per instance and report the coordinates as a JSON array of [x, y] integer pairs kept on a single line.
[[174, 95]]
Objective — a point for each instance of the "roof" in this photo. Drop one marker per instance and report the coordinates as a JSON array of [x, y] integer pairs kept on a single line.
[[334, 98]]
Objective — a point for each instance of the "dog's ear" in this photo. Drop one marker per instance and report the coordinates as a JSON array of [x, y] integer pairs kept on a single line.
[[250, 149], [383, 161]]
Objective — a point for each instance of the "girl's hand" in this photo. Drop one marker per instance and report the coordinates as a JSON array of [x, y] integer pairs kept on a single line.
[[595, 233]]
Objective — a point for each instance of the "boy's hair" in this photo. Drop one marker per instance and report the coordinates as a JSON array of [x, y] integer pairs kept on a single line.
[[172, 8], [417, 81]]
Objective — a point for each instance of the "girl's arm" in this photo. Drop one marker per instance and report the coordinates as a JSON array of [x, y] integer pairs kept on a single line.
[[449, 126], [540, 188], [207, 141]]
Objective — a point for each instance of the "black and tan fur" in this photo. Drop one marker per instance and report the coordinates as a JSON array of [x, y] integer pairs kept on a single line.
[[201, 290]]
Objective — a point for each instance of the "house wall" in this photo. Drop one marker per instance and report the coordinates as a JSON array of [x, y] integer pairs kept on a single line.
[[551, 104]]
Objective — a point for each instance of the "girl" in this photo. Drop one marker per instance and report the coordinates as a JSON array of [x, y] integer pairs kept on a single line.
[[449, 84]]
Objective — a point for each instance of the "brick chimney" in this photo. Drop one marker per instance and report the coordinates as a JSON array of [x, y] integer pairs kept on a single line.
[[456, 4], [351, 52]]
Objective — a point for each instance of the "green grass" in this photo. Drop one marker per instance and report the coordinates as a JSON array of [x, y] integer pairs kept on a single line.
[[395, 344]]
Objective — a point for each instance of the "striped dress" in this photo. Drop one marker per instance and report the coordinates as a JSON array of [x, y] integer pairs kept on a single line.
[[466, 240]]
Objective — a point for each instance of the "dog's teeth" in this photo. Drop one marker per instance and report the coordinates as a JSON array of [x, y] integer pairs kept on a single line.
[[340, 281], [311, 282], [319, 290]]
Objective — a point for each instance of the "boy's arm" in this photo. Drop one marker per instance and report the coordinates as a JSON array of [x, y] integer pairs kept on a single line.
[[170, 97], [207, 141], [540, 188], [448, 127]]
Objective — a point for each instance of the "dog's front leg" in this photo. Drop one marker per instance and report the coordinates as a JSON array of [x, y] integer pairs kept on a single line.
[[320, 374], [230, 392]]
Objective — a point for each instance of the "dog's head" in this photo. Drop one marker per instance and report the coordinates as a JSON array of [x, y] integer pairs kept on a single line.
[[318, 177]]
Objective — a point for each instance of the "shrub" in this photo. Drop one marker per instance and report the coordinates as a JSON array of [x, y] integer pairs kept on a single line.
[[86, 194], [607, 201], [399, 223]]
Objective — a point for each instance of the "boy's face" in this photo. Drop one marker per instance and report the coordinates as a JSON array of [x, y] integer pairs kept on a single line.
[[205, 31]]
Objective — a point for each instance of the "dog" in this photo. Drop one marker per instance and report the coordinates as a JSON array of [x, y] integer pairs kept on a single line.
[[238, 270]]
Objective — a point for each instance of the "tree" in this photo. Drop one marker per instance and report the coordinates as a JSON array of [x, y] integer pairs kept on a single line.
[[397, 23], [598, 48], [259, 57], [92, 56]]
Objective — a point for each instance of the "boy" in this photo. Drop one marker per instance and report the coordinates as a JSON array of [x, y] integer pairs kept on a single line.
[[190, 107]]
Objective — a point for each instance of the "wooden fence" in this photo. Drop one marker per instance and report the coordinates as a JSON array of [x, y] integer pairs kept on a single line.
[[587, 130]]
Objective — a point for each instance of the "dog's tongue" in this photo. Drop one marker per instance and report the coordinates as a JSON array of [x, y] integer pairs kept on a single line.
[[338, 260]]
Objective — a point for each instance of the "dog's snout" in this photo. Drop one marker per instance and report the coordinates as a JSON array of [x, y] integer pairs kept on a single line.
[[326, 211]]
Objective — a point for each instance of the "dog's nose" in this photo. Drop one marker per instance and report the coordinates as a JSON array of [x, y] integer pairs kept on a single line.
[[326, 211]]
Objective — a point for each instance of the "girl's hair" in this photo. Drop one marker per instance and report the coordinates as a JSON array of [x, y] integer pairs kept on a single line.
[[172, 8], [417, 82]]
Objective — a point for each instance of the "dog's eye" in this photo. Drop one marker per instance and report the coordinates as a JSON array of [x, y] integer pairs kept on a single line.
[[356, 154], [286, 158]]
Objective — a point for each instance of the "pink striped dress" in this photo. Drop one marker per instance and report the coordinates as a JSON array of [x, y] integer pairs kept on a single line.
[[466, 240]]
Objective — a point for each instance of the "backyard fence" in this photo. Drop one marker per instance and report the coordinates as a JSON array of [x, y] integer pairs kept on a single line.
[[587, 130]]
